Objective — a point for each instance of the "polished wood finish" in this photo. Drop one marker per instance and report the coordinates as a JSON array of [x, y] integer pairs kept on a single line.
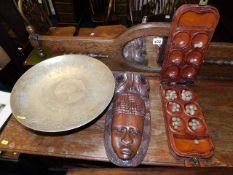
[[150, 171], [191, 31], [214, 96], [62, 31], [108, 49], [185, 139], [128, 120], [109, 31]]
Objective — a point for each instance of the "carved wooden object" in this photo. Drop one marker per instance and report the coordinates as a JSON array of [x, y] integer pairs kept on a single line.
[[127, 125], [109, 50], [191, 32]]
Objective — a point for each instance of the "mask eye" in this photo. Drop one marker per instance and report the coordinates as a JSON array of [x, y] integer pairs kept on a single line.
[[133, 131], [120, 129], [120, 78], [143, 81]]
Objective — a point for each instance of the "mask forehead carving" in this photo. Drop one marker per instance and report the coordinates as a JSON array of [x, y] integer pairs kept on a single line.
[[129, 104]]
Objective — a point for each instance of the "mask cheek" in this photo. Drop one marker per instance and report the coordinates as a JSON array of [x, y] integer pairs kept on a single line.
[[116, 139]]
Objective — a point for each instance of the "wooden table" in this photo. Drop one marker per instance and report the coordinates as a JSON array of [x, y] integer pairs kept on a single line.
[[215, 97], [150, 171]]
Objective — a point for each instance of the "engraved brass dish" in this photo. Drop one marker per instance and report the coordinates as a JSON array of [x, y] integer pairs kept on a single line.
[[62, 93]]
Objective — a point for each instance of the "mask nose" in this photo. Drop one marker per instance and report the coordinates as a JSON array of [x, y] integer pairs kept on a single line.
[[127, 139]]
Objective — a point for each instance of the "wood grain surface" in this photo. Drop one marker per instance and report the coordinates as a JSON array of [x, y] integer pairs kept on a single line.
[[108, 42], [215, 98], [150, 171]]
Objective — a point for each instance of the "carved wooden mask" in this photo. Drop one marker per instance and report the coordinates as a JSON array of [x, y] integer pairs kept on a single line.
[[127, 126]]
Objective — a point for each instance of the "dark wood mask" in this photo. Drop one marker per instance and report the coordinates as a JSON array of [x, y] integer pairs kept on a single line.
[[127, 125]]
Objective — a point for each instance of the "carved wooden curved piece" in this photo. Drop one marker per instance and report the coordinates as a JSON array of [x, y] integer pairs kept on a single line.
[[191, 32], [187, 130], [127, 124], [109, 50]]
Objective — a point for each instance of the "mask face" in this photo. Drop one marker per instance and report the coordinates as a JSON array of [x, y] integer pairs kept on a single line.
[[127, 125]]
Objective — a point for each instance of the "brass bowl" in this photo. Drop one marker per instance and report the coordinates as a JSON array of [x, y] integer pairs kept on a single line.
[[62, 93]]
